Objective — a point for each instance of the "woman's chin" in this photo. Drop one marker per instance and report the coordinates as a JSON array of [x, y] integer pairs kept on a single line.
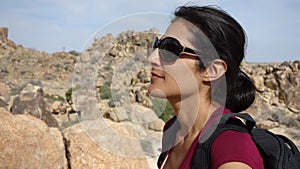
[[156, 93]]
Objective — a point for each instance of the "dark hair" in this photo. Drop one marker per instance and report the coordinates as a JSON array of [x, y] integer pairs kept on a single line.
[[229, 40]]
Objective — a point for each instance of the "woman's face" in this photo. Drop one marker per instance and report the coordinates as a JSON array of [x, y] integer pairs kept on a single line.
[[178, 79]]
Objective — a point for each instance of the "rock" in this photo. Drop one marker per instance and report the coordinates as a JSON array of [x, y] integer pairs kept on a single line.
[[3, 104], [56, 107], [289, 89], [271, 83], [61, 107], [143, 114], [267, 124], [66, 120], [157, 125], [99, 84], [114, 115], [259, 83], [31, 101], [281, 131], [3, 34], [85, 152], [27, 142], [4, 91]]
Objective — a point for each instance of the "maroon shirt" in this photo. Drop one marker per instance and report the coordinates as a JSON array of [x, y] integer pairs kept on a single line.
[[229, 146]]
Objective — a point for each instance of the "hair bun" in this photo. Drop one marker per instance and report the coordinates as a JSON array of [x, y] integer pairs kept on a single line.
[[241, 94]]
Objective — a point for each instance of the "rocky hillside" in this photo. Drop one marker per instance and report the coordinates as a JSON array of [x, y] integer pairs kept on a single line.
[[43, 97]]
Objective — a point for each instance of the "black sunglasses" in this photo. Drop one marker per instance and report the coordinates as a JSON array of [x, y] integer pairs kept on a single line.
[[170, 49]]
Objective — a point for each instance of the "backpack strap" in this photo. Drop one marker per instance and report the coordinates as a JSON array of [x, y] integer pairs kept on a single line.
[[292, 146], [201, 158], [249, 121]]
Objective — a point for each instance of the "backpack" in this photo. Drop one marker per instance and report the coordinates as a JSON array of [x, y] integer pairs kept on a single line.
[[277, 151]]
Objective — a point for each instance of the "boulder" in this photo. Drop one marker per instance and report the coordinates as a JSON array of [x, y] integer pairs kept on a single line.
[[3, 103], [271, 83], [134, 113], [114, 115], [289, 89], [27, 142], [3, 34], [4, 91], [157, 125], [267, 124], [31, 101], [85, 150], [61, 107], [259, 83]]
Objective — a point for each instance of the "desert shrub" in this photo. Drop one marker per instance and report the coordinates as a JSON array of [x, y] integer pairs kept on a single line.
[[162, 108], [107, 68], [22, 72], [73, 52], [167, 113], [49, 77], [16, 90], [5, 71], [106, 93], [105, 90], [53, 98], [69, 92], [276, 114], [296, 134], [283, 118], [35, 83], [66, 67], [290, 121]]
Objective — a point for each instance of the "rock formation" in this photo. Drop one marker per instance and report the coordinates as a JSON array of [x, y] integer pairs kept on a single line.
[[31, 101], [83, 152], [3, 34], [27, 142]]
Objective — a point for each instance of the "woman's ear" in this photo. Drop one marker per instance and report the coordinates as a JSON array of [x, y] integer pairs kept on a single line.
[[215, 70]]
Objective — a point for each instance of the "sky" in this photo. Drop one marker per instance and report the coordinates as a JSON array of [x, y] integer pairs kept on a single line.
[[272, 26]]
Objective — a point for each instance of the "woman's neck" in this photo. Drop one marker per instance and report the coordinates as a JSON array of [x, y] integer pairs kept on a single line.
[[192, 116]]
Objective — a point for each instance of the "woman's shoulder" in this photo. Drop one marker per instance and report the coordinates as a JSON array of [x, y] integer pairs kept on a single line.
[[235, 146]]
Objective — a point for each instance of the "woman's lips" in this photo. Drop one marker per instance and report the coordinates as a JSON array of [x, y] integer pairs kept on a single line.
[[155, 76]]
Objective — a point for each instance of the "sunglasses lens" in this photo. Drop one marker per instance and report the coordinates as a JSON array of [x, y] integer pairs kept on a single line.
[[169, 49], [167, 56]]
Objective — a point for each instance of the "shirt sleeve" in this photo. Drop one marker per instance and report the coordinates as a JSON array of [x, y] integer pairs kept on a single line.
[[234, 146]]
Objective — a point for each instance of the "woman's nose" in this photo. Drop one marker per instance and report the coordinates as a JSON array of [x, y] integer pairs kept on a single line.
[[153, 58]]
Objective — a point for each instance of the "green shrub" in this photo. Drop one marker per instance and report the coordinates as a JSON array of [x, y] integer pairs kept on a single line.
[[163, 109], [167, 113], [68, 94], [106, 93], [281, 117], [73, 52], [105, 90], [53, 97], [290, 121]]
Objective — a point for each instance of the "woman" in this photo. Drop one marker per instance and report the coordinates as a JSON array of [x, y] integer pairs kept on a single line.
[[195, 66]]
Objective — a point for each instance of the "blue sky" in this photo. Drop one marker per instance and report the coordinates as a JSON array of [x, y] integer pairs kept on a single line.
[[272, 26]]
